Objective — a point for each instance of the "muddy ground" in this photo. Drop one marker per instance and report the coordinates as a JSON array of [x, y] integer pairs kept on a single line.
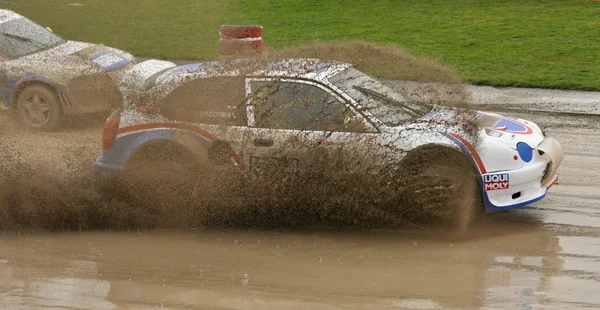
[[544, 256]]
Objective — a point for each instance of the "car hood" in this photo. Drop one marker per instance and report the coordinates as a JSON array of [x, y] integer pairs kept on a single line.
[[501, 129], [73, 53]]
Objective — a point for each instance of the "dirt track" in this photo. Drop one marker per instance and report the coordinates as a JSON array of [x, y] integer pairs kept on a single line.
[[545, 256]]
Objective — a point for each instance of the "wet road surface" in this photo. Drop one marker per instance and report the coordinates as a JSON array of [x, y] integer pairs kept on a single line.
[[545, 256]]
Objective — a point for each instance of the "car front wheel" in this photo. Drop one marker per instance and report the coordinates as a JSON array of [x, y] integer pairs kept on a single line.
[[441, 187], [38, 107]]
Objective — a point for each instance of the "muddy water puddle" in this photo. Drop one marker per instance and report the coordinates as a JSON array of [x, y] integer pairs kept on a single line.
[[543, 257], [499, 265]]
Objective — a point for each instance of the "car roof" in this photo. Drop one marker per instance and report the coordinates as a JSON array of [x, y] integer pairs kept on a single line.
[[302, 68], [288, 67]]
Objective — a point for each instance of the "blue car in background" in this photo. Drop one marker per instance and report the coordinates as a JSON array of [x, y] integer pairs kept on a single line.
[[44, 77]]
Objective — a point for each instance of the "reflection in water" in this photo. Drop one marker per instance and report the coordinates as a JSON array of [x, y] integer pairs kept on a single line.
[[580, 246], [521, 281], [521, 270], [575, 293], [422, 304], [563, 278], [22, 289]]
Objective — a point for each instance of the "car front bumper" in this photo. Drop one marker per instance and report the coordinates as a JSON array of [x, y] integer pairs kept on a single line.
[[528, 184]]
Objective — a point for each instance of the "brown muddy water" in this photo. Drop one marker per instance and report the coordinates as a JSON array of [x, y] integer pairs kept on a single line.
[[545, 256]]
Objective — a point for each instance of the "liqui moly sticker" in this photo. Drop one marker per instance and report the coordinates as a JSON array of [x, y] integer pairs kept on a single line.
[[494, 182]]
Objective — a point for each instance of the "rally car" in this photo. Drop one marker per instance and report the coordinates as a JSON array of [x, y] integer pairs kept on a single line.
[[43, 77], [249, 114]]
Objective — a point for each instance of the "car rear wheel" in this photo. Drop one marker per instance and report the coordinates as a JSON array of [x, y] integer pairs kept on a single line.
[[160, 174], [441, 187], [38, 108]]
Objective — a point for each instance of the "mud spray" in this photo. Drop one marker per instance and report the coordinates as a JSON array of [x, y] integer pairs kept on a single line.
[[46, 181]]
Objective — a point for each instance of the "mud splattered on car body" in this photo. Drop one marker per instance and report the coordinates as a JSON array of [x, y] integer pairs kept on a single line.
[[328, 122], [44, 77]]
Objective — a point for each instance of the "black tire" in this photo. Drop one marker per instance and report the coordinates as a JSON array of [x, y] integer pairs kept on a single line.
[[159, 174], [110, 189], [441, 187], [38, 107]]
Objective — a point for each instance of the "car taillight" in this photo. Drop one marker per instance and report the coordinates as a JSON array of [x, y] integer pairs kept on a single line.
[[109, 133]]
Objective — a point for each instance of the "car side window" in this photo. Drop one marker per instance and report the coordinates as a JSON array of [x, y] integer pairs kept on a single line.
[[216, 100], [298, 106]]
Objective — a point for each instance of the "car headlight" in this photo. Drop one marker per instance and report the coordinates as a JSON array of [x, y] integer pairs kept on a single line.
[[525, 151]]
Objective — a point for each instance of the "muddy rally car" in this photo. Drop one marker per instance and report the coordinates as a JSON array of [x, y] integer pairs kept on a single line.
[[43, 77], [297, 114]]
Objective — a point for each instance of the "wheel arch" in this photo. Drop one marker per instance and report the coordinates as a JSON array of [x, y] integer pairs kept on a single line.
[[468, 149], [452, 143], [34, 79], [428, 163], [202, 149], [158, 144], [441, 145], [425, 150]]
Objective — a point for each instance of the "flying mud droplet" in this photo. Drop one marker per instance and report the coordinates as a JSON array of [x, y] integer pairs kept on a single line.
[[245, 279], [46, 180]]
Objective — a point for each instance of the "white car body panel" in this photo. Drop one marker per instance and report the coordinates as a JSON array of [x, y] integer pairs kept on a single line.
[[507, 180]]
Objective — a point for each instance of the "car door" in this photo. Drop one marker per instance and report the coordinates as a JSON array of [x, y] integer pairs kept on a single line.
[[298, 124]]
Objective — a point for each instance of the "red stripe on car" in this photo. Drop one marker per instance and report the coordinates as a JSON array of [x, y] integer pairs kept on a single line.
[[205, 134], [473, 152], [149, 126]]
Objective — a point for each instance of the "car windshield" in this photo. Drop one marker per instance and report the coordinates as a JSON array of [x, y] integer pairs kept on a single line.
[[20, 37], [389, 106]]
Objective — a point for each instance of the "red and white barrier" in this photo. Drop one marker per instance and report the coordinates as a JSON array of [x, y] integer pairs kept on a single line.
[[241, 41]]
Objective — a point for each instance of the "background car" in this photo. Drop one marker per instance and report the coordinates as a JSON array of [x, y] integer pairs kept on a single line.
[[292, 113], [44, 77]]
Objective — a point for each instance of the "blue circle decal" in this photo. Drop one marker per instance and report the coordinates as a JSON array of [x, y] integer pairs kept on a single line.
[[525, 151]]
